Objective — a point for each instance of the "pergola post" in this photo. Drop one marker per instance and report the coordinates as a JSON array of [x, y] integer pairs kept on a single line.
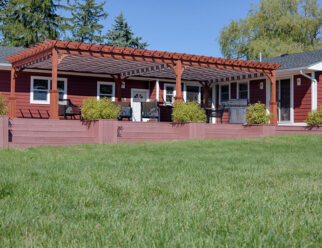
[[54, 92], [12, 97], [273, 104], [178, 69], [206, 94], [118, 82]]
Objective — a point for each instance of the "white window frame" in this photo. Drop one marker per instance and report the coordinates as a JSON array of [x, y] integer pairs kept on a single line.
[[99, 83], [245, 82], [185, 92], [165, 93], [229, 97], [32, 78]]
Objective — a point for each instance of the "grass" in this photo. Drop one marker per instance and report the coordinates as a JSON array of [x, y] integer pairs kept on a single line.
[[207, 193]]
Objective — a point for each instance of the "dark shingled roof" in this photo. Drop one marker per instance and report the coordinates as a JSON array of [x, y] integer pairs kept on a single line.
[[6, 51], [296, 60]]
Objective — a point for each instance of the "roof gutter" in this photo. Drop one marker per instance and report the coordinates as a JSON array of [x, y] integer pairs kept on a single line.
[[313, 89]]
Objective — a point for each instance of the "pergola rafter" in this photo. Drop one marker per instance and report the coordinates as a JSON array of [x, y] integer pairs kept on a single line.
[[126, 62]]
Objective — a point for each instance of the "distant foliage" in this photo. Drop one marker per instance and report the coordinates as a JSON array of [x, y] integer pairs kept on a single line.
[[26, 22], [3, 107], [314, 118], [256, 114], [274, 27], [93, 109], [121, 35], [188, 112], [85, 21]]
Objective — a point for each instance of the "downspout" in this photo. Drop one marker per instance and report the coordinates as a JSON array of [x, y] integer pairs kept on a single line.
[[313, 89]]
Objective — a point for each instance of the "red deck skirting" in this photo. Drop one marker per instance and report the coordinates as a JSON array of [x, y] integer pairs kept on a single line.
[[4, 140], [36, 132]]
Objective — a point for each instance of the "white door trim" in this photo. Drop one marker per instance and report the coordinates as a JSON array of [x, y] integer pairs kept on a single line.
[[291, 100], [147, 91]]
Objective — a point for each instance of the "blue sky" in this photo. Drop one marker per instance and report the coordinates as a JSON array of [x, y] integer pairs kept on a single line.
[[188, 26]]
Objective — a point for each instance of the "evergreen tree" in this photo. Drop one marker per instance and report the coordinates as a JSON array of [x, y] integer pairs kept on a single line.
[[272, 28], [122, 35], [85, 22], [26, 22]]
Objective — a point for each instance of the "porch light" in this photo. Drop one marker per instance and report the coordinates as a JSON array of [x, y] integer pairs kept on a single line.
[[298, 82], [261, 85], [123, 85]]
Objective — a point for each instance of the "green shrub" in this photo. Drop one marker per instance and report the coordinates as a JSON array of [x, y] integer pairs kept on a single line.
[[314, 118], [256, 114], [3, 107], [188, 112], [99, 109]]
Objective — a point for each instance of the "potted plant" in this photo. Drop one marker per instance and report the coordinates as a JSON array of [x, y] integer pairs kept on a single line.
[[3, 107], [257, 115], [93, 109], [188, 112], [314, 118]]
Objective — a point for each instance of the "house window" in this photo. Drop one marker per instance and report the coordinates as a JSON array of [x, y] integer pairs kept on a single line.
[[192, 93], [105, 90], [169, 93], [224, 93], [40, 90], [243, 90]]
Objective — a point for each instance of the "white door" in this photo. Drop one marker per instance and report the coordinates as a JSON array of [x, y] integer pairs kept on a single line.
[[138, 96]]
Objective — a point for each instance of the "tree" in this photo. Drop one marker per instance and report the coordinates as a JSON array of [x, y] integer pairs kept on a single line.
[[85, 26], [26, 22], [122, 35], [272, 28]]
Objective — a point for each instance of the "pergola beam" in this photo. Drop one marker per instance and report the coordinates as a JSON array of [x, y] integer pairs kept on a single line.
[[141, 71], [64, 47]]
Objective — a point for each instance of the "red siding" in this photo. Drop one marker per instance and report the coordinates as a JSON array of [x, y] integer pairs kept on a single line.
[[153, 90], [5, 83], [255, 93], [233, 89], [78, 89], [302, 98], [318, 76]]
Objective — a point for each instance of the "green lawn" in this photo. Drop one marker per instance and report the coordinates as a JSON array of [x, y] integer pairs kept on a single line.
[[234, 193]]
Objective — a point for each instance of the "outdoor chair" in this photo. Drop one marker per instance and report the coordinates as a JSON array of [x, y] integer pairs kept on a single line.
[[67, 108], [150, 110], [217, 113], [126, 110]]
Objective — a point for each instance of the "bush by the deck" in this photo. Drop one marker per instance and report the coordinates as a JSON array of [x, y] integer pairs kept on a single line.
[[188, 112], [314, 118], [256, 114], [3, 107], [93, 109]]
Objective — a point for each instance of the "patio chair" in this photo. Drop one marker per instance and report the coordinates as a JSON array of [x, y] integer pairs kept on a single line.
[[126, 110], [217, 113], [150, 110], [67, 108]]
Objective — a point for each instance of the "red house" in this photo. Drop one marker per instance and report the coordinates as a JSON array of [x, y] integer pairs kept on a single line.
[[33, 80]]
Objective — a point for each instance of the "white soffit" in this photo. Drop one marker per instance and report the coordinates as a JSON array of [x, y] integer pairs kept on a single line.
[[316, 67]]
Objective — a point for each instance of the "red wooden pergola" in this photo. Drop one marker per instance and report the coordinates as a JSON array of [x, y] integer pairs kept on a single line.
[[120, 63]]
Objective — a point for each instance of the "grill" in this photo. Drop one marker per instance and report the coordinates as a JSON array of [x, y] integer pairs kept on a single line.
[[237, 110]]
